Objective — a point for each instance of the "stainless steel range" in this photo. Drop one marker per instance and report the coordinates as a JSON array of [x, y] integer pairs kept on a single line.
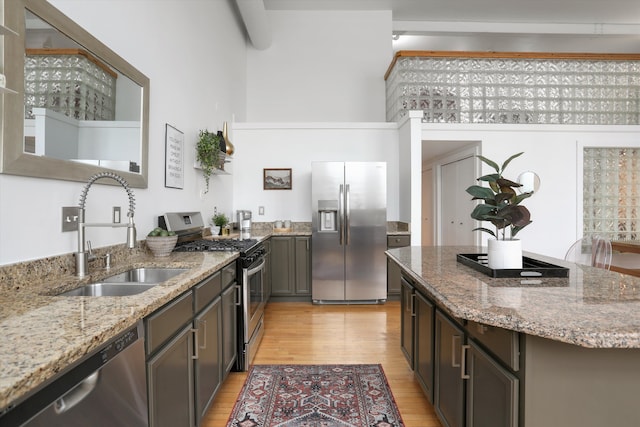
[[250, 268]]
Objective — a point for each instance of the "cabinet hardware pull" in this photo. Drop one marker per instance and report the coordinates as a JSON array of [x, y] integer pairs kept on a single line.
[[204, 344], [454, 338], [463, 361], [413, 305], [238, 289], [195, 347]]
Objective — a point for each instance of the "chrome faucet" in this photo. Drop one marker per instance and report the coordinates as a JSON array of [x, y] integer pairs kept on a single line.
[[82, 255]]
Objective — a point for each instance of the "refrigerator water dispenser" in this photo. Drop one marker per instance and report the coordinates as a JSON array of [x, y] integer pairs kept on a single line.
[[328, 215]]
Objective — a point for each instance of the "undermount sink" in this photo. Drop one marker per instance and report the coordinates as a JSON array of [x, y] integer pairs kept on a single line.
[[130, 282], [145, 275]]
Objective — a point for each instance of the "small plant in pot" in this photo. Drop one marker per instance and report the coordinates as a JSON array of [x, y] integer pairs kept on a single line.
[[208, 153], [220, 220], [501, 208]]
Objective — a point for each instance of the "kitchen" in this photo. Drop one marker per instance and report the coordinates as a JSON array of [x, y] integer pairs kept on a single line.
[[236, 93]]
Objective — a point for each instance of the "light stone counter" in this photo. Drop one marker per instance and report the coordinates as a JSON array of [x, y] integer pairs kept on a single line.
[[592, 308], [42, 334]]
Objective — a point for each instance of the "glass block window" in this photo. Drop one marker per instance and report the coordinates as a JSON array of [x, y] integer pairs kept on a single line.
[[490, 88], [611, 192]]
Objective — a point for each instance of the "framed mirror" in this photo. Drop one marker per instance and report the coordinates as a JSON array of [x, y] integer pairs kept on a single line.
[[80, 107]]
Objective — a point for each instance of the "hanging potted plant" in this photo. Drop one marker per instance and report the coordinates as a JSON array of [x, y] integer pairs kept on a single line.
[[501, 207], [208, 153]]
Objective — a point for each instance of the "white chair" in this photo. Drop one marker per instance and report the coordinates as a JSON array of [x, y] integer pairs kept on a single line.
[[595, 251]]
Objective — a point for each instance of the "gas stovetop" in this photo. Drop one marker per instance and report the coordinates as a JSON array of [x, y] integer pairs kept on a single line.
[[203, 245]]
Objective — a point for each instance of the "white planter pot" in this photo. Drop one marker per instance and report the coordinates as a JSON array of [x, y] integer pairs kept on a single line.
[[504, 254]]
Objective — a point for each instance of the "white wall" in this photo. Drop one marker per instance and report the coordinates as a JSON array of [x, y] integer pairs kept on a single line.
[[551, 152], [295, 146], [321, 67], [193, 51]]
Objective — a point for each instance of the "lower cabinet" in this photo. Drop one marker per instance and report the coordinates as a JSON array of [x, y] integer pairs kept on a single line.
[[407, 320], [290, 266], [170, 382], [492, 391], [393, 269], [208, 356], [469, 371], [448, 381], [423, 344], [190, 347]]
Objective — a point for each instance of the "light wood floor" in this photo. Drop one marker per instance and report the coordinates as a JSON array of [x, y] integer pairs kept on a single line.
[[303, 333]]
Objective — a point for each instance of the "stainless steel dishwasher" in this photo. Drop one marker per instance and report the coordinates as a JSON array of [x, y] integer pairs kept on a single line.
[[105, 389]]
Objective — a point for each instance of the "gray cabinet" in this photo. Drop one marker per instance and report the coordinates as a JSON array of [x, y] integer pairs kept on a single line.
[[290, 266], [448, 389], [208, 356], [393, 270], [423, 344], [169, 345], [492, 391], [407, 321], [190, 346]]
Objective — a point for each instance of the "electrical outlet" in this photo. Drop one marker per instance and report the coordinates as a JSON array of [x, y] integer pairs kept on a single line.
[[116, 215], [69, 218], [260, 210]]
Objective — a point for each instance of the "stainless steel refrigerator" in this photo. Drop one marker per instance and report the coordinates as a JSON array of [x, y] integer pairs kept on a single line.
[[349, 232]]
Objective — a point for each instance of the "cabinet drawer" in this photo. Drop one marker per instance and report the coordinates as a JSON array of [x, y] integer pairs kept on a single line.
[[164, 323], [207, 291], [502, 343], [228, 274], [398, 241]]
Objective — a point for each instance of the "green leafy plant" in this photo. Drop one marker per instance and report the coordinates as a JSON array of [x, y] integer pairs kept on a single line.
[[501, 204], [208, 153], [220, 220]]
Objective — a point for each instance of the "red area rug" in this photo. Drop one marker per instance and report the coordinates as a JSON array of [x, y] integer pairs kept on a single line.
[[315, 396]]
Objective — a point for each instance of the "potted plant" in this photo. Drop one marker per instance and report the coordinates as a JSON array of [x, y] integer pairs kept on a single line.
[[220, 220], [208, 153], [501, 207]]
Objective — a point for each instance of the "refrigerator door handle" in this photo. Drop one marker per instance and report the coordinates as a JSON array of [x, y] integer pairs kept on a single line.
[[347, 225], [341, 214]]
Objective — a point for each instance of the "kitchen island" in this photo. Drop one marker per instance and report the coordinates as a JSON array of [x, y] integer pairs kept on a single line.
[[572, 344]]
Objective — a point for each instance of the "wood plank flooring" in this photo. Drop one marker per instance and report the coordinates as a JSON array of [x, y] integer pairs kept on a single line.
[[303, 333]]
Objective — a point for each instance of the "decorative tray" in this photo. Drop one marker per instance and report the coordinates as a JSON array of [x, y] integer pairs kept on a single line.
[[530, 267]]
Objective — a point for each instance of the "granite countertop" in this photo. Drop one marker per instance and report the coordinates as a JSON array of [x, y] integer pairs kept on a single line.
[[42, 333], [592, 308]]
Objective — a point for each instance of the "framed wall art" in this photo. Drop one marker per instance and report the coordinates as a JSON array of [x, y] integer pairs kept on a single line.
[[277, 179], [174, 158]]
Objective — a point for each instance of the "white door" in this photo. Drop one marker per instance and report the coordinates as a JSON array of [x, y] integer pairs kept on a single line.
[[456, 204]]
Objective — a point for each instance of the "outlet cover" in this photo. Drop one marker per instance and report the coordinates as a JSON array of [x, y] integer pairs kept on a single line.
[[69, 218]]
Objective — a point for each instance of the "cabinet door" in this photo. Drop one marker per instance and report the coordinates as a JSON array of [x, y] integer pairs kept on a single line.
[[423, 344], [229, 328], [170, 381], [208, 355], [448, 391], [282, 266], [302, 265], [407, 320], [492, 391]]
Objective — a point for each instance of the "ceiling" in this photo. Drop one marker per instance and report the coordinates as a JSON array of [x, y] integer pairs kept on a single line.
[[500, 25]]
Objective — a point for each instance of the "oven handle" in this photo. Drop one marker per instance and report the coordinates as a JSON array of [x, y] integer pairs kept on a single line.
[[257, 269]]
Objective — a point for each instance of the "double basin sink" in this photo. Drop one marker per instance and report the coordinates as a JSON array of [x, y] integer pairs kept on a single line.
[[130, 282]]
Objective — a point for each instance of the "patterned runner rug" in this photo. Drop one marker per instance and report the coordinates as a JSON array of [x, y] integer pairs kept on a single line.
[[315, 396]]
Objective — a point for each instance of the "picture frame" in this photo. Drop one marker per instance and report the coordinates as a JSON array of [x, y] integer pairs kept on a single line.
[[173, 158], [276, 178]]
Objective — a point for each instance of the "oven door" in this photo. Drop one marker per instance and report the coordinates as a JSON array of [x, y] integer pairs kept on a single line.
[[254, 299]]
